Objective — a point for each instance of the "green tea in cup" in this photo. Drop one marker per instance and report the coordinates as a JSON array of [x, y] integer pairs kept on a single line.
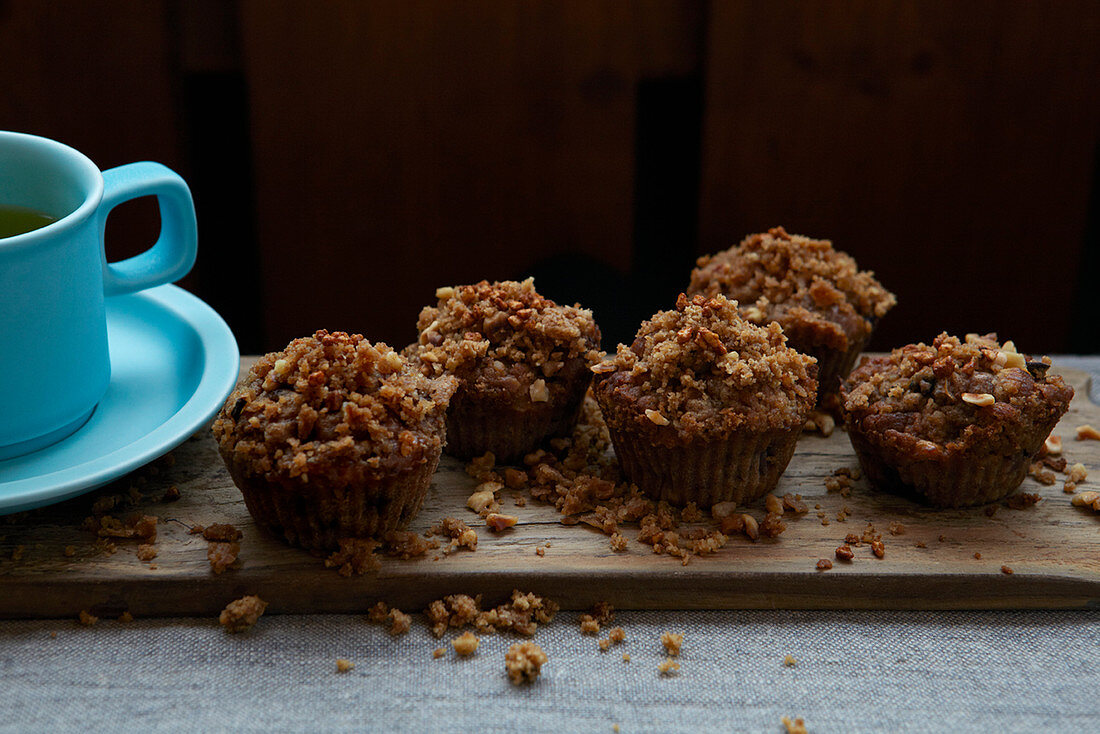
[[17, 220]]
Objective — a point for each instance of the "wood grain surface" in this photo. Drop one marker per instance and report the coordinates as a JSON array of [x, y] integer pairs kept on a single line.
[[1052, 548]]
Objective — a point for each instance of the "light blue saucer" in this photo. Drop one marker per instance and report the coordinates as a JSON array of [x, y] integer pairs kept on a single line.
[[173, 362]]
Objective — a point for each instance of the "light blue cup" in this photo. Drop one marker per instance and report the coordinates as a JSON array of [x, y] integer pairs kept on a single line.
[[54, 365]]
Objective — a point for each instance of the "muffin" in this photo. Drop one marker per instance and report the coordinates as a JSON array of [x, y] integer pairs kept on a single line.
[[521, 361], [705, 406], [956, 423], [333, 437], [826, 305]]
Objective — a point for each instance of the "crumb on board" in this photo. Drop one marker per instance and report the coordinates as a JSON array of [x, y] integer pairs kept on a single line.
[[222, 555], [146, 552], [523, 662], [1006, 570], [540, 551], [343, 665], [618, 542], [668, 666], [171, 494], [223, 532], [824, 564], [896, 528], [465, 644], [499, 523], [241, 614], [461, 534], [844, 553], [86, 618], [1087, 433], [405, 544], [672, 642], [1024, 500], [355, 557]]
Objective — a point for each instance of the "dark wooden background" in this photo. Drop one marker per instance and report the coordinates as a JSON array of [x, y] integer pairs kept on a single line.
[[346, 158]]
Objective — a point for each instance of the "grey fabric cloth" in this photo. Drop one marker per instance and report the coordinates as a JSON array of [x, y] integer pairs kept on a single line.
[[1019, 671], [854, 672]]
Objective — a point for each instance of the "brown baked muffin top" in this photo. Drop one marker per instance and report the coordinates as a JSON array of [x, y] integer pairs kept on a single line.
[[817, 294], [955, 394], [496, 325], [702, 369], [335, 405]]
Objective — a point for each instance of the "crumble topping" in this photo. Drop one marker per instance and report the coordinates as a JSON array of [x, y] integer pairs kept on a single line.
[[702, 369], [489, 327], [915, 394], [522, 614], [335, 405], [816, 293]]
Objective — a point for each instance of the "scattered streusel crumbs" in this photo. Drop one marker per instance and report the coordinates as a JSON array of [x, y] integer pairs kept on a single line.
[[523, 661], [399, 622], [618, 542], [461, 534], [589, 625], [668, 666], [626, 657], [241, 614], [672, 642], [343, 666], [466, 643], [798, 726], [789, 661], [86, 619], [355, 557], [1024, 500]]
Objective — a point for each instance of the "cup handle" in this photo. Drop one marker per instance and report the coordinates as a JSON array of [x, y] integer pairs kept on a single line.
[[173, 254]]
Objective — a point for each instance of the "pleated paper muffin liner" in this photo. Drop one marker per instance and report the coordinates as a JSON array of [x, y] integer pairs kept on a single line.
[[316, 515], [741, 468], [474, 426], [833, 366], [955, 481]]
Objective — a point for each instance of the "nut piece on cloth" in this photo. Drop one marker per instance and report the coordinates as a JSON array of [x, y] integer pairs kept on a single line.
[[239, 615], [523, 662]]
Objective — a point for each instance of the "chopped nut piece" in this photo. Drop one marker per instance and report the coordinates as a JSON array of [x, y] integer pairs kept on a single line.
[[1053, 445], [672, 642], [465, 644], [540, 552], [240, 614], [896, 528], [86, 618], [1087, 433], [618, 542], [539, 392], [878, 548], [481, 501], [824, 564], [750, 527], [845, 553], [982, 399], [499, 523], [343, 666], [773, 504], [668, 666], [523, 661], [794, 727], [978, 556], [656, 417], [1077, 473], [1085, 499], [1006, 569]]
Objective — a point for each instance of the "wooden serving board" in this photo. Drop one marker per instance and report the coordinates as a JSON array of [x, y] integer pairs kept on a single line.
[[1052, 548]]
